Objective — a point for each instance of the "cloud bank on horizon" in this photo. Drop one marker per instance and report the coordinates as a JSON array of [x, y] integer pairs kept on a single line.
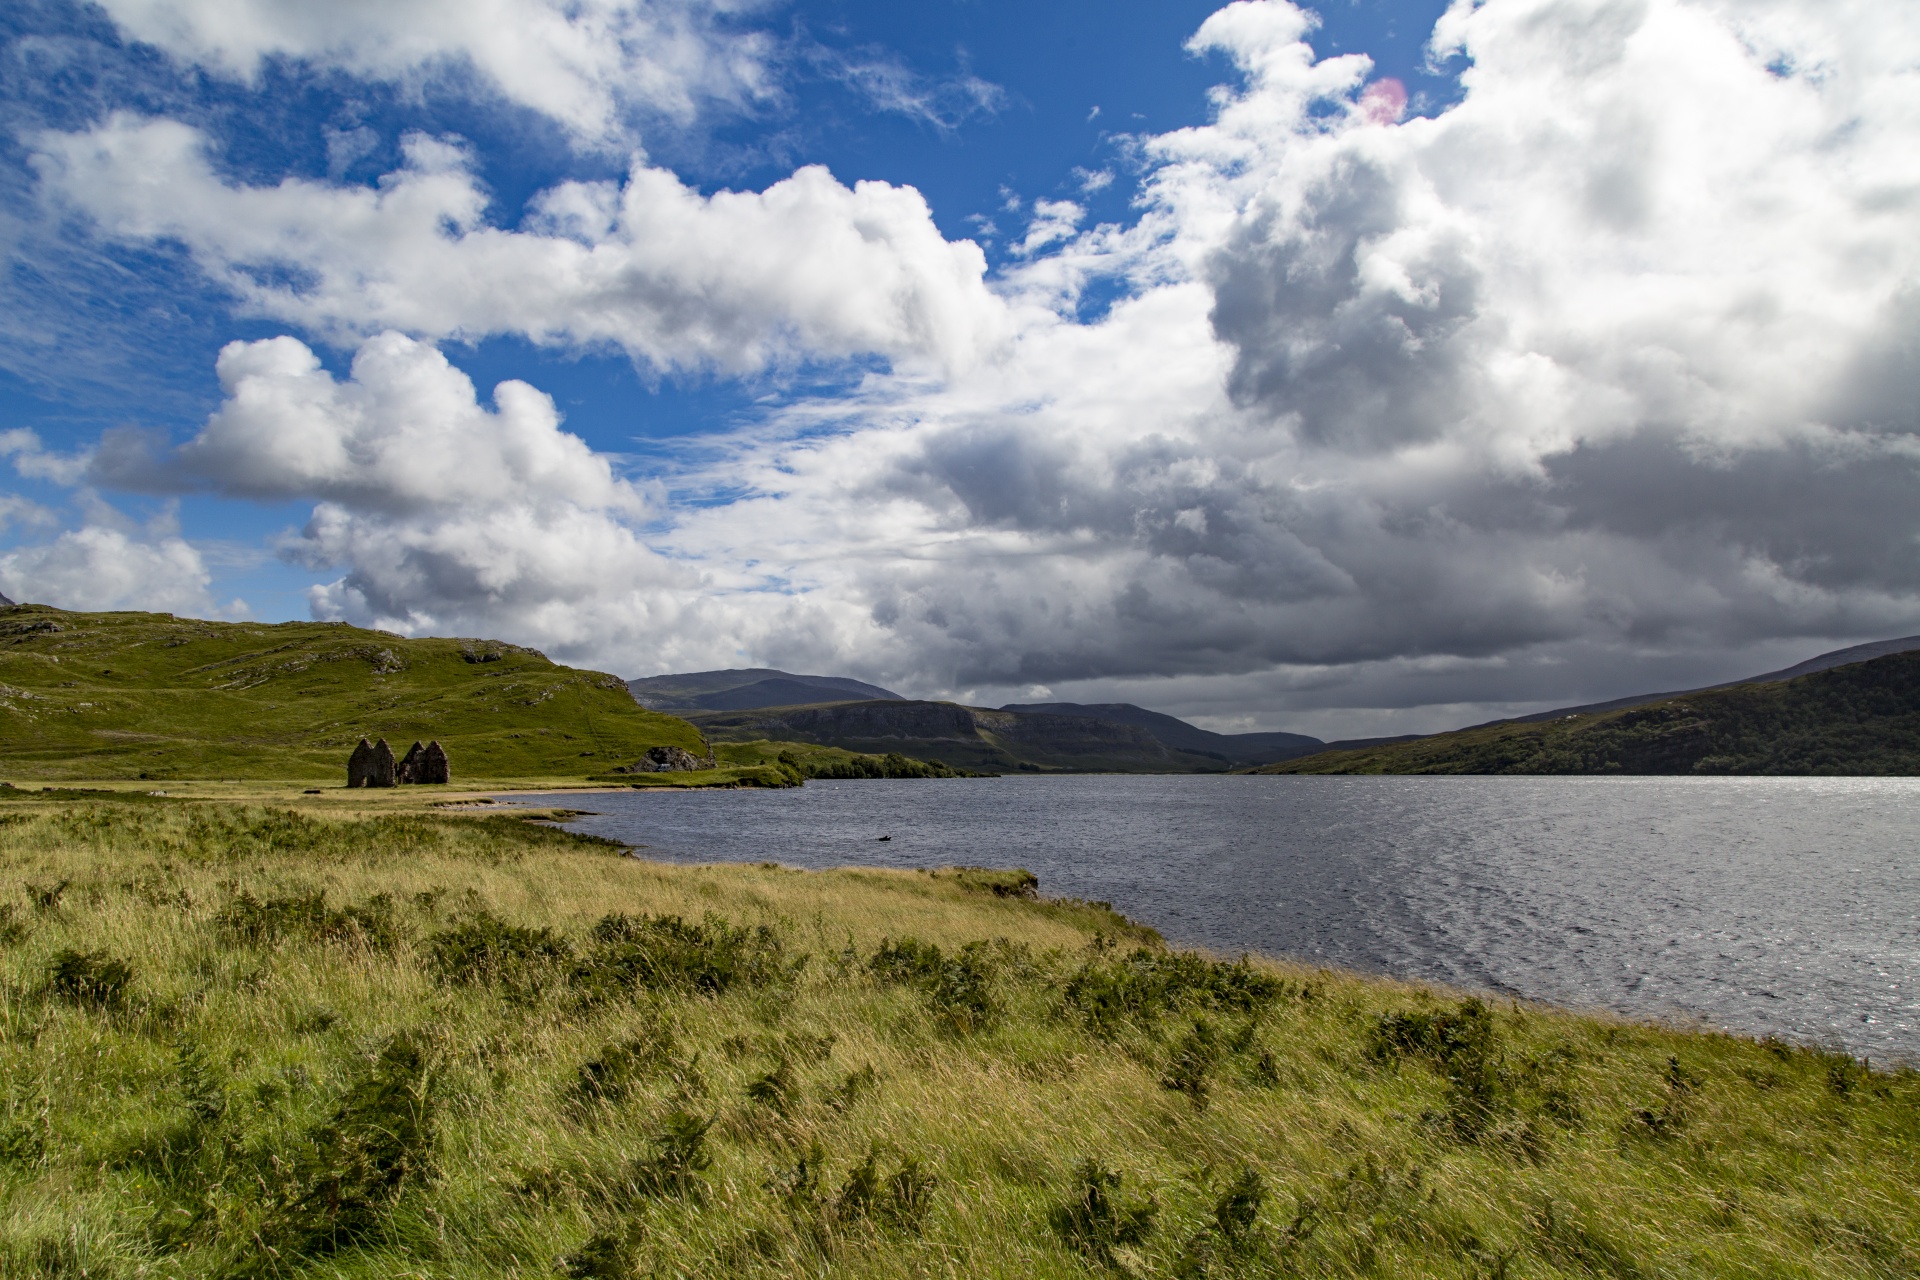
[[1610, 362]]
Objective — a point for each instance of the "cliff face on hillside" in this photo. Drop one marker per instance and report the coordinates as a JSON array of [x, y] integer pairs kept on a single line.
[[1858, 719], [965, 737]]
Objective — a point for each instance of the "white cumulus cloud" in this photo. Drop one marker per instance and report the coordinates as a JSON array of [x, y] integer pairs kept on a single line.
[[807, 269], [444, 515], [590, 64], [1610, 360], [100, 567], [1612, 357]]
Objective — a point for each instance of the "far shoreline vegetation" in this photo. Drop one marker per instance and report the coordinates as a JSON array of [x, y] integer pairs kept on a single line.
[[358, 1035]]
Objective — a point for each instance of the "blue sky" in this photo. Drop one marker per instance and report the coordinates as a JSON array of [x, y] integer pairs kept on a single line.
[[1066, 87], [1219, 372]]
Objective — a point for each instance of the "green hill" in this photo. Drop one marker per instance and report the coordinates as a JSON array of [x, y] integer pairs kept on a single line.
[[1859, 719], [149, 695]]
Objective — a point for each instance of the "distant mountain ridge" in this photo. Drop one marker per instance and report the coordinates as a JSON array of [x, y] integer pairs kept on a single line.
[[748, 689], [972, 738], [763, 703], [1235, 748], [1821, 662], [1847, 719]]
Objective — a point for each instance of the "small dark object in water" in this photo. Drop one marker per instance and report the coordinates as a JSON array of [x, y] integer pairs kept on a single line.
[[885, 837]]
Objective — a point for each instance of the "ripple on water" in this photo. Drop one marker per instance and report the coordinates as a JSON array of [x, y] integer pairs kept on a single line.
[[1763, 905]]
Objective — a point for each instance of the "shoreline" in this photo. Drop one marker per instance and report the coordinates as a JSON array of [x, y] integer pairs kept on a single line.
[[1726, 1001]]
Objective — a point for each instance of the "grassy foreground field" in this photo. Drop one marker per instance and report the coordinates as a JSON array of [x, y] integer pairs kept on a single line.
[[249, 1040]]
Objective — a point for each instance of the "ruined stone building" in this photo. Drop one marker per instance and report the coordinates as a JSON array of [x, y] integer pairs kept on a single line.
[[423, 764], [372, 765]]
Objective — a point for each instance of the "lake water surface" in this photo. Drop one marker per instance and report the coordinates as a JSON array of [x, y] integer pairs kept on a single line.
[[1762, 905]]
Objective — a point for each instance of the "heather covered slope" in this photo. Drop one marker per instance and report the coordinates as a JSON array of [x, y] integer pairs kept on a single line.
[[1858, 719], [145, 695], [265, 1042]]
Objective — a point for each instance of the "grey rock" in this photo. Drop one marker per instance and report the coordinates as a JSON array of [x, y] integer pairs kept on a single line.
[[668, 760]]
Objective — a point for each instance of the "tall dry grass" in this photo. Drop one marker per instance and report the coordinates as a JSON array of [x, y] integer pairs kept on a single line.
[[240, 1040]]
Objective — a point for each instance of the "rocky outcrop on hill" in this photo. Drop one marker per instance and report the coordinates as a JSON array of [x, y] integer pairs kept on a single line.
[[668, 760]]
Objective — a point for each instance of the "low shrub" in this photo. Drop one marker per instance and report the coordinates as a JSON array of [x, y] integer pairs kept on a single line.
[[665, 952], [909, 1195], [899, 1201], [201, 1088], [483, 949], [255, 922], [778, 1089], [1676, 1108], [1233, 1241], [1463, 1044], [1194, 1058], [1146, 985], [89, 979], [610, 1076], [46, 897], [679, 1157], [958, 988], [1016, 882], [860, 1082], [1093, 1222], [349, 1170], [609, 1254]]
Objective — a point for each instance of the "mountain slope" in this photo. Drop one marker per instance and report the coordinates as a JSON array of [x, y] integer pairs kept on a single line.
[[1858, 719], [99, 695], [1820, 662], [1837, 658], [1236, 748], [964, 737], [747, 689]]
